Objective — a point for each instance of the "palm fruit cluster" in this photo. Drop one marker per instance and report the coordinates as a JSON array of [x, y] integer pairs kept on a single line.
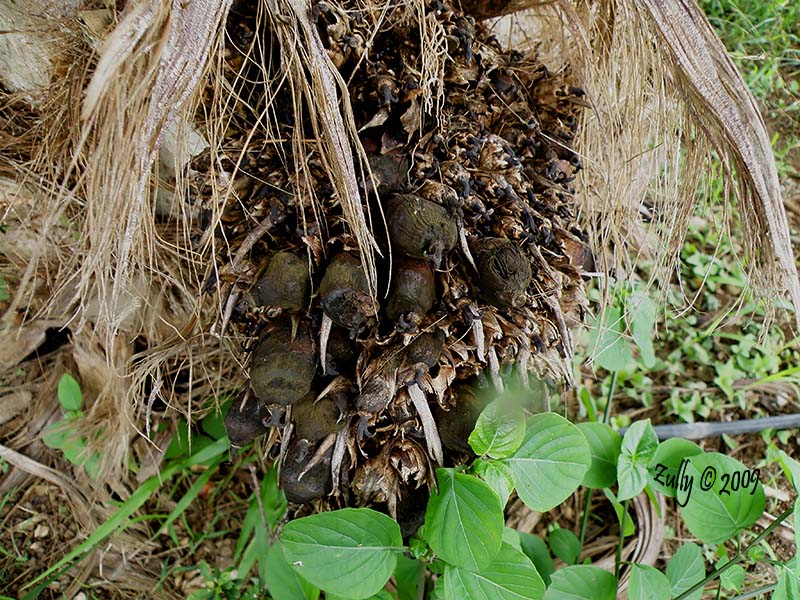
[[480, 267]]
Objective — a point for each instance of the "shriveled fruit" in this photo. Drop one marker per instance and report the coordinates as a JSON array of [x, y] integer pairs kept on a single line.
[[420, 228], [285, 283], [282, 368], [413, 289], [316, 420], [504, 272], [299, 482], [244, 423], [344, 293]]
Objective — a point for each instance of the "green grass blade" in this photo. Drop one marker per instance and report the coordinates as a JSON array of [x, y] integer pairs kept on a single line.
[[191, 494]]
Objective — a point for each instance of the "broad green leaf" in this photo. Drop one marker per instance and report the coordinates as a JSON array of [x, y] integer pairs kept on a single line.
[[350, 552], [582, 582], [439, 592], [499, 430], [642, 319], [498, 475], [511, 537], [711, 514], [464, 521], [69, 393], [92, 465], [648, 583], [604, 444], [551, 462], [510, 576], [639, 445], [213, 424], [382, 595], [733, 577], [666, 463], [565, 545], [534, 548], [685, 569], [56, 434], [282, 579], [610, 350], [406, 576]]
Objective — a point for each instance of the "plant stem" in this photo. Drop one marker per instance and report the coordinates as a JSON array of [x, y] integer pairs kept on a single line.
[[757, 592], [421, 580], [618, 557], [739, 555], [587, 509], [607, 411]]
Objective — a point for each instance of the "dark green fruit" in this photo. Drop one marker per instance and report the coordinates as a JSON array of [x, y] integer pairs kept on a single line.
[[420, 228], [314, 421], [413, 289], [344, 293], [313, 484], [245, 423], [426, 348], [456, 424], [341, 353], [504, 272], [285, 283], [281, 369]]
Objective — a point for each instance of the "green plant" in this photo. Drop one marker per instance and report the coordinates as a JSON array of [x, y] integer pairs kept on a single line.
[[62, 435], [463, 550]]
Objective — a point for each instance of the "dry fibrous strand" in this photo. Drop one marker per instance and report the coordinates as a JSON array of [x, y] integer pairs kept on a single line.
[[344, 293], [413, 289], [285, 283], [316, 419], [504, 272], [420, 228], [246, 420], [282, 368], [299, 482]]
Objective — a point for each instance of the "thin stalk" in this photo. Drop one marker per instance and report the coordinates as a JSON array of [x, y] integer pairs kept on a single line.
[[758, 592], [739, 555], [618, 557], [421, 580], [587, 509], [612, 385]]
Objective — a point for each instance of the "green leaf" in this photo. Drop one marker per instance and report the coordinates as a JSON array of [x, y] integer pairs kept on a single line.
[[73, 448], [565, 545], [639, 445], [92, 465], [282, 579], [213, 424], [685, 569], [642, 319], [610, 349], [350, 552], [56, 434], [534, 548], [604, 444], [498, 475], [406, 576], [69, 393], [788, 585], [510, 576], [711, 516], [464, 521], [551, 462], [499, 430], [667, 461], [511, 537], [791, 469], [648, 583], [4, 295], [733, 577], [582, 582], [629, 526]]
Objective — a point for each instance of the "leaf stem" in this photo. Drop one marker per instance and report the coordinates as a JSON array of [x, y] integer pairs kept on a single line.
[[421, 580], [611, 386], [739, 555], [618, 557], [587, 509], [756, 592]]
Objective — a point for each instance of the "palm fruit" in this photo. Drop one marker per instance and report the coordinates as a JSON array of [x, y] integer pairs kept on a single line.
[[413, 289], [456, 424], [315, 420], [244, 423], [282, 368], [344, 293], [285, 283], [299, 483], [426, 349], [504, 272], [420, 228]]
